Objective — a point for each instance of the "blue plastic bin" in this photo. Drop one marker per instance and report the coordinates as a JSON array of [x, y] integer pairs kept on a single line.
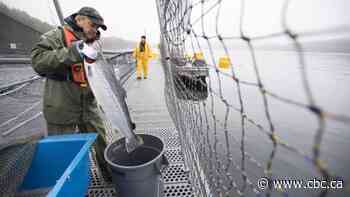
[[61, 163]]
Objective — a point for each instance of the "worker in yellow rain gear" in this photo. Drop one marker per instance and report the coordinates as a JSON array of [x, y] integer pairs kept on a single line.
[[142, 54]]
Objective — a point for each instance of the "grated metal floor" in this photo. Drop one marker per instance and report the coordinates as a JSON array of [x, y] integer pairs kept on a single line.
[[176, 180], [148, 109]]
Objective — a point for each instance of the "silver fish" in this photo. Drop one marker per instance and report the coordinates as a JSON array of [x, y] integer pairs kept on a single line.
[[110, 97]]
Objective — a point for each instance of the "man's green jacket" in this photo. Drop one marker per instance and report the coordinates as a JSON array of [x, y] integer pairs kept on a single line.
[[65, 102]]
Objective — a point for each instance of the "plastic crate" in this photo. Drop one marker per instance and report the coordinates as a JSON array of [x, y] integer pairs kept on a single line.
[[62, 164]]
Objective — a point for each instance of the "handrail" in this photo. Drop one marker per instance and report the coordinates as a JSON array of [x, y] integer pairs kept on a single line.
[[109, 52], [5, 87], [120, 54], [27, 60], [15, 60], [17, 83]]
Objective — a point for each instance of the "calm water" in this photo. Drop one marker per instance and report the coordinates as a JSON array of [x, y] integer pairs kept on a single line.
[[329, 78]]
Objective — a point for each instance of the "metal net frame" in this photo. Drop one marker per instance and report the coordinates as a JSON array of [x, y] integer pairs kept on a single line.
[[192, 98]]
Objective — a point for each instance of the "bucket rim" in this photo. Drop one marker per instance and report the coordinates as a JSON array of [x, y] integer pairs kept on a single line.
[[136, 166]]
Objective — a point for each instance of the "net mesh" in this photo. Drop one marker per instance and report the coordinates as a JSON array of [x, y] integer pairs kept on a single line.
[[14, 164], [124, 65], [21, 124], [228, 145], [21, 117]]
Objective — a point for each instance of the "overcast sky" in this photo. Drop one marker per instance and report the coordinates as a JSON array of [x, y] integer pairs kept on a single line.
[[129, 19]]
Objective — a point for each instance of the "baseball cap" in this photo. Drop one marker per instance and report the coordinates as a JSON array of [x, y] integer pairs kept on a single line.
[[93, 15]]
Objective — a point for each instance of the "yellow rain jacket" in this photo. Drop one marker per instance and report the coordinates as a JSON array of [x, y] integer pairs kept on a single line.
[[142, 58], [145, 55]]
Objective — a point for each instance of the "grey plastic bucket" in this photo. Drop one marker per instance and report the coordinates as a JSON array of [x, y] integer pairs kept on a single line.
[[137, 174]]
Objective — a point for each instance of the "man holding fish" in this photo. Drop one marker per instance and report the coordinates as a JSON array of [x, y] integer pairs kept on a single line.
[[69, 104]]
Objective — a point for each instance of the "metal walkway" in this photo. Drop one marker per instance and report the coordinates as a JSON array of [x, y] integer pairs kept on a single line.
[[148, 110]]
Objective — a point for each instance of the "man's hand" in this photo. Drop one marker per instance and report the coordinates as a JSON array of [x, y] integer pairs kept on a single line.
[[89, 53]]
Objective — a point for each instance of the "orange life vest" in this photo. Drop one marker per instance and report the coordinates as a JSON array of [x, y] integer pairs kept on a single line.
[[78, 73]]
